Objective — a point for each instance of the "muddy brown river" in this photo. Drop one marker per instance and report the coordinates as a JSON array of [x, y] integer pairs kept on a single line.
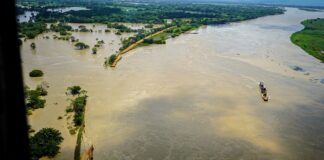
[[195, 98]]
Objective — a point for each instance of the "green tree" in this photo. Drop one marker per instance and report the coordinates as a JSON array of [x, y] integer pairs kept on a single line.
[[81, 45], [75, 90], [36, 73], [34, 101], [112, 59], [45, 143]]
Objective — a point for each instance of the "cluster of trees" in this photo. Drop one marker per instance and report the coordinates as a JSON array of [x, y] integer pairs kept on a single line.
[[34, 98], [154, 41], [96, 46], [45, 143], [140, 35], [78, 104], [31, 29], [110, 61], [81, 45], [78, 107], [102, 12], [120, 27], [83, 28], [62, 28], [182, 27], [110, 12]]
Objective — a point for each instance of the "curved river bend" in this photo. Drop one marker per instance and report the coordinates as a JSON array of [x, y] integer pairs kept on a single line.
[[196, 97]]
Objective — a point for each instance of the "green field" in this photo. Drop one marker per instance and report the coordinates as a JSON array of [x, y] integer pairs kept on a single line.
[[311, 38]]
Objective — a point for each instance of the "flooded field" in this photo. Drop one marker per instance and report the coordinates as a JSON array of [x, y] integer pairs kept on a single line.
[[196, 97]]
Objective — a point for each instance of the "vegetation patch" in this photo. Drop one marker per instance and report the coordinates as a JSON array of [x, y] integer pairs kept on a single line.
[[110, 61], [36, 73], [75, 90], [61, 28], [311, 38], [120, 27], [78, 107], [45, 143], [32, 29], [81, 45], [34, 98]]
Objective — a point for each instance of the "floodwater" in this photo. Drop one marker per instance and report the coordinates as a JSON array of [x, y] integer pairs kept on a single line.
[[195, 98], [27, 16], [66, 9]]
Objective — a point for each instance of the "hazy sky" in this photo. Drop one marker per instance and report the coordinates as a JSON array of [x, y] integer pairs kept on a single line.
[[290, 2]]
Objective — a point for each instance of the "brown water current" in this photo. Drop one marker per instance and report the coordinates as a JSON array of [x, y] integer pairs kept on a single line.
[[195, 98]]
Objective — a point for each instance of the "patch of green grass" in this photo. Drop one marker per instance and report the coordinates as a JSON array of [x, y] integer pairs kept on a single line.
[[311, 38]]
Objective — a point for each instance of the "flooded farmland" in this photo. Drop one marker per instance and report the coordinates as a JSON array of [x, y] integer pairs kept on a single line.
[[196, 97]]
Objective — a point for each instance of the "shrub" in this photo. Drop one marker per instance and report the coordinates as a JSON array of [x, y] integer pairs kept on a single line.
[[36, 73], [112, 59], [81, 45], [69, 110], [94, 50], [74, 90], [41, 90], [33, 45], [148, 41], [34, 101], [45, 143]]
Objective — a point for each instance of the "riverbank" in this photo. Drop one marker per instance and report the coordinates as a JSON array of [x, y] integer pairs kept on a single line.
[[311, 38], [119, 55]]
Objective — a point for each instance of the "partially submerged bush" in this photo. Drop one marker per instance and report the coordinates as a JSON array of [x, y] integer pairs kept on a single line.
[[74, 90], [81, 45], [42, 91], [34, 98], [94, 50], [34, 101], [33, 45], [36, 73]]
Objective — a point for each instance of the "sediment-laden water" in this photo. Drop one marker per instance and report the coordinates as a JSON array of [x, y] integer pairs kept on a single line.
[[196, 97]]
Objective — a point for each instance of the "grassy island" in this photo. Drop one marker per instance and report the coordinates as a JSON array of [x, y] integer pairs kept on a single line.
[[311, 38]]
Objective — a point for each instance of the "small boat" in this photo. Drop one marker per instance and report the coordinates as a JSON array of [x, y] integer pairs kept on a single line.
[[263, 91]]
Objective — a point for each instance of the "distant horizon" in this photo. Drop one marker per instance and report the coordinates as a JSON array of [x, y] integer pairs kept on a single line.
[[282, 2], [310, 3]]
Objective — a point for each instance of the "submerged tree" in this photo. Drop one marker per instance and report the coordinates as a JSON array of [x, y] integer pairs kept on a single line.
[[34, 100], [94, 50], [81, 45], [75, 90], [33, 45], [36, 73]]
